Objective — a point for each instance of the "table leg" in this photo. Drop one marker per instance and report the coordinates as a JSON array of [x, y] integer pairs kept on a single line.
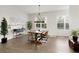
[[36, 36]]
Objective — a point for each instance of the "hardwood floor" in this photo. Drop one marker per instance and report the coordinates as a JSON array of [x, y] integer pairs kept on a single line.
[[22, 45]]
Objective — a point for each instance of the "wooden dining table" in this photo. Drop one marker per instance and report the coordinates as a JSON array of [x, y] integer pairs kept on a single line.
[[36, 33]]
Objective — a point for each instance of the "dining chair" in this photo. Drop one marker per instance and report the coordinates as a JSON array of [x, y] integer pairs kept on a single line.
[[30, 36], [44, 36]]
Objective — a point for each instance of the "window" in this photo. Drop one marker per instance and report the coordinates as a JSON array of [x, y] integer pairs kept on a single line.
[[40, 22], [67, 25], [62, 23], [38, 25], [44, 25]]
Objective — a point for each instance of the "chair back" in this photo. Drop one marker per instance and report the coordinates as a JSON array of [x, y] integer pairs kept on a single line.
[[45, 33]]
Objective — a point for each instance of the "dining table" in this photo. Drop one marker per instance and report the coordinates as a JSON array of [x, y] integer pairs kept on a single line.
[[38, 36]]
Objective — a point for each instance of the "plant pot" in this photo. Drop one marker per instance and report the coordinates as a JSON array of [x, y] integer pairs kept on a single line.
[[75, 38], [3, 40]]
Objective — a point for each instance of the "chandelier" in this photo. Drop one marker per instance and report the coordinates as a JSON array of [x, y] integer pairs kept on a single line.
[[39, 17]]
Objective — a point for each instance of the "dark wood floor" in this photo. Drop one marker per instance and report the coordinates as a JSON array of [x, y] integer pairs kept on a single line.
[[22, 45]]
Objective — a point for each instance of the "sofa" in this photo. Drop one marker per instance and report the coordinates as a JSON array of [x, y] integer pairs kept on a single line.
[[74, 45]]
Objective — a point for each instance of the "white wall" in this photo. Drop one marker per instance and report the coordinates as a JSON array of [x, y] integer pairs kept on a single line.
[[51, 22], [74, 14]]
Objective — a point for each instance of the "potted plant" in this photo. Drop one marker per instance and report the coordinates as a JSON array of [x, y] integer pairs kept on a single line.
[[4, 30], [74, 35], [29, 25]]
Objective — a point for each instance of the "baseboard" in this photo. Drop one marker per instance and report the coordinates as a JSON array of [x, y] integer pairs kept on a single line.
[[57, 36], [52, 35]]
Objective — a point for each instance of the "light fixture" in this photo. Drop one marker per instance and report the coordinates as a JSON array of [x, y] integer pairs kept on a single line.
[[40, 20], [39, 16]]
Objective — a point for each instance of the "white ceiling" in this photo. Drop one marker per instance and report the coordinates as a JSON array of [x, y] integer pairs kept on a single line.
[[34, 8]]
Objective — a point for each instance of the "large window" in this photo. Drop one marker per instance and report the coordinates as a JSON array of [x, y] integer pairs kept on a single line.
[[62, 23], [40, 24]]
